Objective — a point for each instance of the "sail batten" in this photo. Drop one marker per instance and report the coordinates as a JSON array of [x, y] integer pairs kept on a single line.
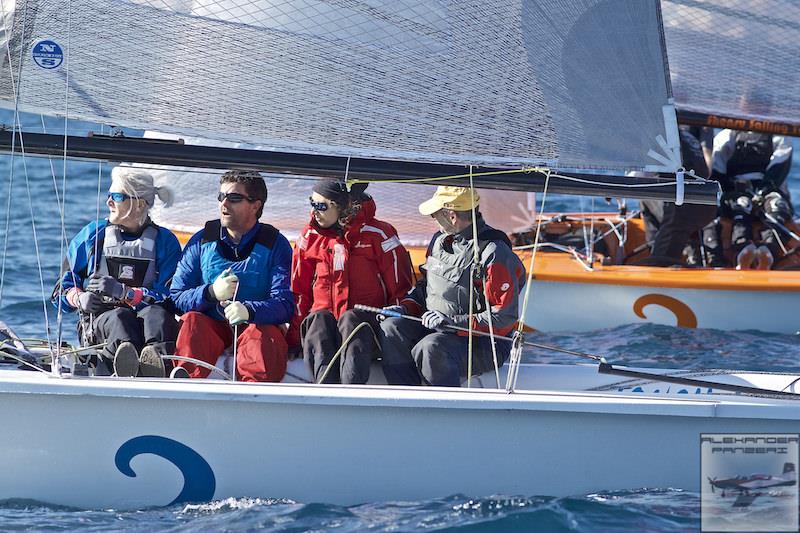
[[484, 82]]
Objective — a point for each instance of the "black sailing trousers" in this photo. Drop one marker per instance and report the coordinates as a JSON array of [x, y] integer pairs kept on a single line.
[[154, 324], [322, 335]]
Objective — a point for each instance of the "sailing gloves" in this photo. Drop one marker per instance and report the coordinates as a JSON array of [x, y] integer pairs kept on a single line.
[[89, 302], [107, 286], [236, 313], [435, 320], [224, 286]]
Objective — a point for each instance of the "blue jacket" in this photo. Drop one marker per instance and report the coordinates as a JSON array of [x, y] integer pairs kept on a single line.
[[81, 249], [263, 266]]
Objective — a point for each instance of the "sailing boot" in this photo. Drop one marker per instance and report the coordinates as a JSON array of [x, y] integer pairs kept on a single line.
[[692, 253], [126, 360], [746, 257], [179, 373], [151, 365], [764, 258]]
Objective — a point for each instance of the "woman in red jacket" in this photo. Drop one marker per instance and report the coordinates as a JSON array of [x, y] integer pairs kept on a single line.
[[344, 257]]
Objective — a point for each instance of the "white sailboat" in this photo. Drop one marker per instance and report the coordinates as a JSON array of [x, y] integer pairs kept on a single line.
[[401, 89]]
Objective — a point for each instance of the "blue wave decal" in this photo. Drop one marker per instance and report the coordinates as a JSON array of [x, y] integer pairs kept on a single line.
[[199, 482]]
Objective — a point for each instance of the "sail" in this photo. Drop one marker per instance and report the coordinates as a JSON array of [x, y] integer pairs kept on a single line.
[[578, 84], [735, 58], [288, 208]]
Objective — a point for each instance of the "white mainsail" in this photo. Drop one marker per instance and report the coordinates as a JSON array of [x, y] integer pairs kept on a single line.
[[481, 82]]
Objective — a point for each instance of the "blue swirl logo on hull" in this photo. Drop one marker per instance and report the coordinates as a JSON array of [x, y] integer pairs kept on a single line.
[[199, 482]]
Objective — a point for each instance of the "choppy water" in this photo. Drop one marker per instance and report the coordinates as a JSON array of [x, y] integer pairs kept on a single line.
[[659, 509]]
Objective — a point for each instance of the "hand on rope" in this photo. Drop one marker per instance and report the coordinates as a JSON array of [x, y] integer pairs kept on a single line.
[[107, 286], [224, 286], [435, 320], [236, 313], [89, 302]]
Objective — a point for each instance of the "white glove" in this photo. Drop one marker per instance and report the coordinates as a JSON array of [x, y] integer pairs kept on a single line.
[[435, 319], [236, 313], [224, 286]]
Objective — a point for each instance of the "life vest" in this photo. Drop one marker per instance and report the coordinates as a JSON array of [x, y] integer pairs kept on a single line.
[[751, 154], [132, 262], [450, 279], [252, 263]]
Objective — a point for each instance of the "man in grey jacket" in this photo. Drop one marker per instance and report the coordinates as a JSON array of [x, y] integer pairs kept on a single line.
[[430, 352]]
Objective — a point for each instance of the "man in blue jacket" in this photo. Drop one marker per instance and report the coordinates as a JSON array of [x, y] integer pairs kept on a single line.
[[235, 273]]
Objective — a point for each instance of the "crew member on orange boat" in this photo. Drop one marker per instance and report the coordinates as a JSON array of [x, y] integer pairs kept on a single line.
[[233, 278], [344, 256], [752, 169], [669, 226], [429, 352]]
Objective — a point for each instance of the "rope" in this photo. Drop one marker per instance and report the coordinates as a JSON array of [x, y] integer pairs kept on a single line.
[[339, 351], [516, 351], [198, 362]]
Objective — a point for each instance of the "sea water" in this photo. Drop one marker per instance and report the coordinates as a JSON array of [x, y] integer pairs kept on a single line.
[[30, 263]]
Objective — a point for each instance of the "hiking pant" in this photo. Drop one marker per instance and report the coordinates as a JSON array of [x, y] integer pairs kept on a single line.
[[152, 324], [261, 350], [670, 227], [414, 354], [322, 335]]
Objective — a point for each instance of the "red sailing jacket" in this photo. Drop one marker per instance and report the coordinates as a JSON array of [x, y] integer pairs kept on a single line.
[[333, 270]]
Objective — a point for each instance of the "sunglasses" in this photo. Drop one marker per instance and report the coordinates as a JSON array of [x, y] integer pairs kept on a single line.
[[234, 197], [118, 197], [318, 206]]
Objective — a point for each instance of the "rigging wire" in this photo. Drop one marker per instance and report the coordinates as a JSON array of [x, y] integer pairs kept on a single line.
[[516, 350], [56, 367], [17, 125], [477, 272], [13, 141]]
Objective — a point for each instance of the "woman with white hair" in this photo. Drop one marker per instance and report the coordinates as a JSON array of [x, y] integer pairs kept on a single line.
[[118, 279]]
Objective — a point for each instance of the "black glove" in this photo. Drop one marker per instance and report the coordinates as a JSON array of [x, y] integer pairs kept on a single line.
[[107, 286], [89, 302]]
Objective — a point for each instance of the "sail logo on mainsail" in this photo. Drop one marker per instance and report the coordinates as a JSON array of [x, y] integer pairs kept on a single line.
[[47, 54]]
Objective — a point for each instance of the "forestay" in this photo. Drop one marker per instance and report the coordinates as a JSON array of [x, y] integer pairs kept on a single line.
[[567, 84], [735, 58]]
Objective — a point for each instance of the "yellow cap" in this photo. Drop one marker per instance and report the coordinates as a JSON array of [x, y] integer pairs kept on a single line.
[[446, 197]]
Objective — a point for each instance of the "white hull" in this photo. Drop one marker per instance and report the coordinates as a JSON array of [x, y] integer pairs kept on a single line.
[[558, 306], [351, 444]]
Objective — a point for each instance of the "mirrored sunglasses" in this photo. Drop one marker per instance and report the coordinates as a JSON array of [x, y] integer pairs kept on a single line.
[[234, 197], [118, 197], [318, 206]]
